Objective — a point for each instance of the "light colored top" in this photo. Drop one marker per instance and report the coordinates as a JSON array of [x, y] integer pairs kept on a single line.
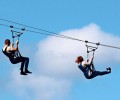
[[8, 50]]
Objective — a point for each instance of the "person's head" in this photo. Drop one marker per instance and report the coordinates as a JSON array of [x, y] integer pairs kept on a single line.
[[7, 42], [79, 59]]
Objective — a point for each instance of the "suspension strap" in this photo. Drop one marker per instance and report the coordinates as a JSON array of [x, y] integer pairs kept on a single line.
[[91, 49], [16, 33], [87, 50]]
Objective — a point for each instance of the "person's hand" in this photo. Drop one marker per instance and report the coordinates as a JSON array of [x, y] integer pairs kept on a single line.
[[12, 44], [92, 57], [17, 42]]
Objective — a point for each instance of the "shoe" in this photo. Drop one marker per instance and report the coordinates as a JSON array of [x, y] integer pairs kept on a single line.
[[26, 71], [23, 73], [108, 70]]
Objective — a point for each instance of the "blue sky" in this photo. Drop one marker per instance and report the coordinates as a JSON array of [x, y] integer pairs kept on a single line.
[[60, 16]]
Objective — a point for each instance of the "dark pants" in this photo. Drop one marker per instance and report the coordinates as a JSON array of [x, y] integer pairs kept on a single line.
[[24, 62], [94, 72]]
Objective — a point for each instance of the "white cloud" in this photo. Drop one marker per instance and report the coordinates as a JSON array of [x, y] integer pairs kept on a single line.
[[56, 67], [38, 87]]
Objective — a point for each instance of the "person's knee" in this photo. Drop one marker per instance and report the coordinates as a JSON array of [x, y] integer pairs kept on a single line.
[[27, 59]]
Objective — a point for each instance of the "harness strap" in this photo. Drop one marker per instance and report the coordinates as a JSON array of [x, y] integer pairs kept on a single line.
[[9, 55]]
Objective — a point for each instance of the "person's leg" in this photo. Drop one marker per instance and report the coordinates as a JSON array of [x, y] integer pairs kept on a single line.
[[22, 64], [88, 73], [26, 62], [92, 68], [99, 73], [108, 70], [26, 65], [18, 60]]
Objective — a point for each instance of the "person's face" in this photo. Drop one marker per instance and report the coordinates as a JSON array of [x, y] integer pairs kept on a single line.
[[8, 43]]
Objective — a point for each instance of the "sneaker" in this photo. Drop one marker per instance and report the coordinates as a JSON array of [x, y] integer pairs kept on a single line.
[[23, 73], [108, 70], [26, 71]]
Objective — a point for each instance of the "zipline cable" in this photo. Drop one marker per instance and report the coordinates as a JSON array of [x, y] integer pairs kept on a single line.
[[54, 34], [43, 33], [32, 27]]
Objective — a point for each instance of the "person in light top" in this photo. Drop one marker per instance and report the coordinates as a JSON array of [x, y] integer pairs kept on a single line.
[[14, 56]]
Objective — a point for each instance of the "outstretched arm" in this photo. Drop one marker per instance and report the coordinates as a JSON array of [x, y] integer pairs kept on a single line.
[[90, 61], [15, 48]]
